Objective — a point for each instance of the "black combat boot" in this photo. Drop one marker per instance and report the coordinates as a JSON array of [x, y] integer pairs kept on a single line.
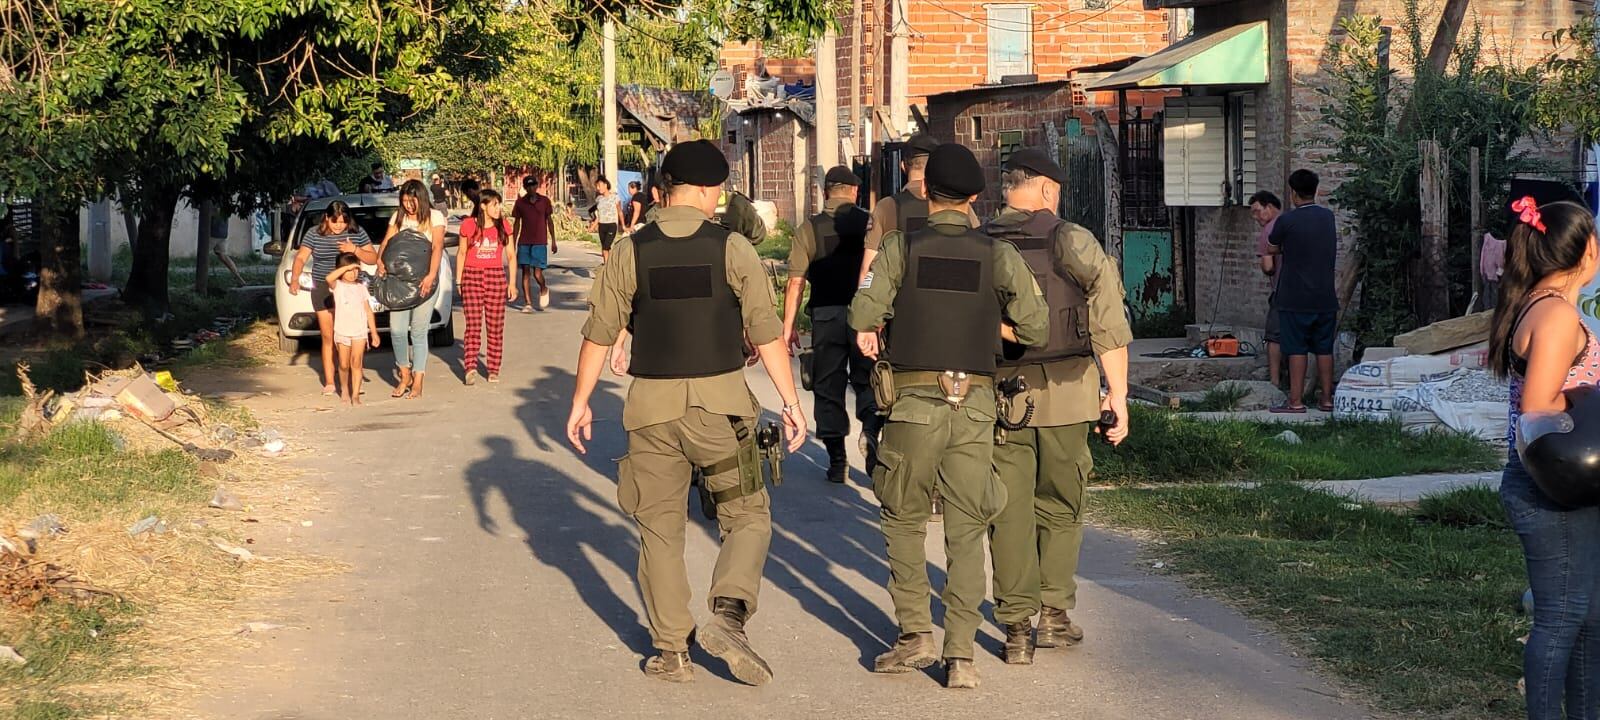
[[911, 652], [1019, 643], [673, 667], [838, 462], [724, 637], [1058, 630], [960, 673]]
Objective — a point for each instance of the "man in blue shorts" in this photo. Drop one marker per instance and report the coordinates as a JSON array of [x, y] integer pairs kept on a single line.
[[533, 224], [1306, 241]]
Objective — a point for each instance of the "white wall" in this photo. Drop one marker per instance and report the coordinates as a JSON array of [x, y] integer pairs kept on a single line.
[[184, 222]]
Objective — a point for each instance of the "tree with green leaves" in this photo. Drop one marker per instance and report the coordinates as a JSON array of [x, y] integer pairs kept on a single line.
[[161, 99], [1474, 102], [1570, 96]]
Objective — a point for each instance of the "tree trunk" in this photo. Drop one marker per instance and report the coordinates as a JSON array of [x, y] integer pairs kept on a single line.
[[202, 248], [147, 280], [1439, 52], [1108, 155], [1433, 298], [58, 313]]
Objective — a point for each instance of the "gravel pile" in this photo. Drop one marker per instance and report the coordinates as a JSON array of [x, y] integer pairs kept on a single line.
[[1476, 386]]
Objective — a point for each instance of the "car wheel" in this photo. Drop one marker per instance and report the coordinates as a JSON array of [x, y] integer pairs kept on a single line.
[[444, 336], [287, 344]]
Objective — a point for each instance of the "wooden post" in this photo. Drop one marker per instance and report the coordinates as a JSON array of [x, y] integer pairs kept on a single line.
[[1108, 157], [1433, 301], [202, 246], [1475, 240]]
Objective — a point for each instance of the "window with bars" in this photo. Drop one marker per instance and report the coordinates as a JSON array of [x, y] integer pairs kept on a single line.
[[1010, 40]]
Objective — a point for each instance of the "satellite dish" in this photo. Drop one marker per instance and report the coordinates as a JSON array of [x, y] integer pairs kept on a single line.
[[722, 85]]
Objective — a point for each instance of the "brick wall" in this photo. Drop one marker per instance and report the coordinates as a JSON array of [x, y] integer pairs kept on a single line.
[[773, 137], [950, 42], [950, 119], [740, 59], [1292, 134]]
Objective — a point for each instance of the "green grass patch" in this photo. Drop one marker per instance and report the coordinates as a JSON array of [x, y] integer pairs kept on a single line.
[[775, 246], [82, 467], [1222, 398], [1167, 447], [1418, 611], [66, 645]]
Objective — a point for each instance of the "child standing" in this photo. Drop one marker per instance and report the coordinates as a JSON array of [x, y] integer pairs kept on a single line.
[[484, 276], [354, 326]]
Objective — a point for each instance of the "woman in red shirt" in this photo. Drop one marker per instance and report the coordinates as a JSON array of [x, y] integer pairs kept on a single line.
[[484, 276]]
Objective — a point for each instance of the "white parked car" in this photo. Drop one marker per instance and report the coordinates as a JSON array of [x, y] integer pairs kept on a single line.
[[297, 320]]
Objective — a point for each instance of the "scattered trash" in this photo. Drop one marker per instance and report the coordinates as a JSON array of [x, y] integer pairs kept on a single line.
[[223, 433], [1287, 437], [25, 582], [234, 550], [111, 415], [224, 500], [305, 523], [150, 524], [1158, 565], [146, 400], [274, 447], [258, 627], [165, 381], [7, 654], [48, 525], [1297, 564]]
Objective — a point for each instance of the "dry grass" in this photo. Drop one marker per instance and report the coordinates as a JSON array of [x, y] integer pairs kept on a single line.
[[183, 598]]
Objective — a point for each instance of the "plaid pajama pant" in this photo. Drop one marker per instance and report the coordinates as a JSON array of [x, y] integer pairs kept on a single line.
[[483, 301]]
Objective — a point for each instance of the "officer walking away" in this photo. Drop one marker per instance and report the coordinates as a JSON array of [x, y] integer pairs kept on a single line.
[[826, 253], [907, 212], [948, 293], [1045, 462], [692, 291]]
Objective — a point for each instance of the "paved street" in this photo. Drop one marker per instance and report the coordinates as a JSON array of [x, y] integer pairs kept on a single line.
[[492, 578]]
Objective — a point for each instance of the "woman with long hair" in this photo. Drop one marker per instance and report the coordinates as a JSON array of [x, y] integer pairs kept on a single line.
[[408, 329], [321, 245], [1538, 341], [483, 273]]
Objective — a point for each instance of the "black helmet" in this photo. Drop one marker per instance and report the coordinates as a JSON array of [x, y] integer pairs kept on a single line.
[[1561, 450]]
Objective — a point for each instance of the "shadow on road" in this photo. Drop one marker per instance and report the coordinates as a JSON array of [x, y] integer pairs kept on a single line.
[[565, 523]]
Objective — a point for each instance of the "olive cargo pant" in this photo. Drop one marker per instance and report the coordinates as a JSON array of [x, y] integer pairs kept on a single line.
[[653, 487], [1036, 539], [928, 442], [838, 364]]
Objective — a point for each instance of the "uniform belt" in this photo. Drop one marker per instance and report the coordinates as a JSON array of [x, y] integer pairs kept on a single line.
[[928, 378]]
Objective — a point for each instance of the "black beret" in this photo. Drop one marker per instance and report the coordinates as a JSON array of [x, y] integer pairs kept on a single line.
[[920, 144], [841, 175], [1036, 162], [695, 163], [954, 172]]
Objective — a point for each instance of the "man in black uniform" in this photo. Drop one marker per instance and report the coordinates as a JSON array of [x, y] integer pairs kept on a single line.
[[827, 253]]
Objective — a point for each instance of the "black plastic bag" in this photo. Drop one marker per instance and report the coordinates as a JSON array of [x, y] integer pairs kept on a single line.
[[407, 258]]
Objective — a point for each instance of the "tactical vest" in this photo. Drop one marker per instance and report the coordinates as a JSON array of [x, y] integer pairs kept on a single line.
[[1069, 306], [946, 315], [834, 271], [686, 321], [911, 212]]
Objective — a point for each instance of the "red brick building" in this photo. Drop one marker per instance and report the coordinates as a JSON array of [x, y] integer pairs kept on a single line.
[[1250, 135]]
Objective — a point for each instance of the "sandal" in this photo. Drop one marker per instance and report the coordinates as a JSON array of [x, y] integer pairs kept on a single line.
[[471, 378], [494, 377], [1289, 410], [329, 390], [402, 389], [1325, 407]]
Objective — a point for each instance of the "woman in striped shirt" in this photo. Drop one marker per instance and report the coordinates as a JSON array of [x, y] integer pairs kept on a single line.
[[336, 233]]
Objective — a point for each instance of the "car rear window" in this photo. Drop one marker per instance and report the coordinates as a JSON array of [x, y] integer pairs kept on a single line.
[[375, 220]]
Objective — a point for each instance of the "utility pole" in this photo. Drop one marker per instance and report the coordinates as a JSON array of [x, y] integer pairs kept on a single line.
[[608, 61], [899, 59], [827, 101]]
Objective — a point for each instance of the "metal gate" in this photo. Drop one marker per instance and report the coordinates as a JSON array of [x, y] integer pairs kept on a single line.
[[1147, 267]]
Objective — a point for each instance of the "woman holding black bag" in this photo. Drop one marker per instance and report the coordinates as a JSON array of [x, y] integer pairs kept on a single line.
[[408, 329]]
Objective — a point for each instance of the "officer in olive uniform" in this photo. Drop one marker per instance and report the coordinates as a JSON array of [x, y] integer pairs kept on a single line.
[[826, 253], [948, 293], [907, 212], [1044, 465], [691, 291]]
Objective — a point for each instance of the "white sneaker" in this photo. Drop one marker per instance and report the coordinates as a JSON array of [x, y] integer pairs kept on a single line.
[[544, 299]]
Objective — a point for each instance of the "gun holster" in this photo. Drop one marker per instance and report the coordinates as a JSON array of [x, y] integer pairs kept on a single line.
[[883, 386], [747, 460]]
